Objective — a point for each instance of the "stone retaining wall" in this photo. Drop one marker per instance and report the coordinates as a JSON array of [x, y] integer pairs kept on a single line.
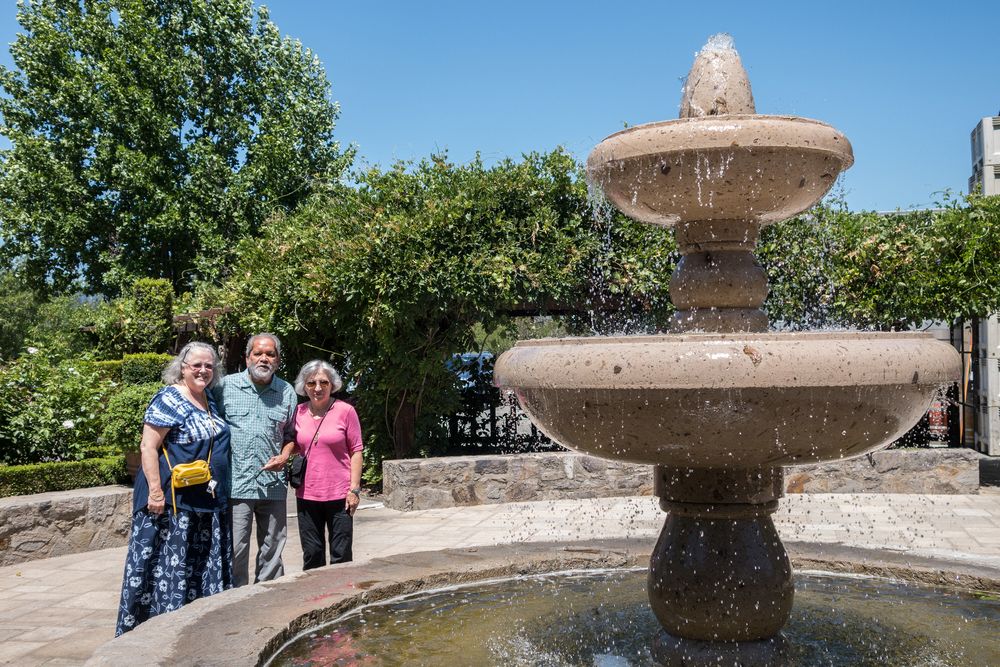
[[948, 471], [419, 484], [63, 522]]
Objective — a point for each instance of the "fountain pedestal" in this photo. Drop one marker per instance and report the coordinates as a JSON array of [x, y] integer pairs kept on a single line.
[[719, 571]]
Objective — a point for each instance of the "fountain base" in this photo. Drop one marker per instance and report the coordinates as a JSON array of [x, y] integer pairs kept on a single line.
[[670, 651]]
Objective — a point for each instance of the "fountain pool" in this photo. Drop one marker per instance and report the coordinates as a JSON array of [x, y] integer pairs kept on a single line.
[[602, 619]]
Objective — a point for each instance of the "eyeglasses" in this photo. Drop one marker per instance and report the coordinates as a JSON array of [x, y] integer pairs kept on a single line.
[[198, 367], [318, 383]]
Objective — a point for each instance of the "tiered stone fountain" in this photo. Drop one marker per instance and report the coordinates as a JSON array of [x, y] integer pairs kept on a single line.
[[720, 406]]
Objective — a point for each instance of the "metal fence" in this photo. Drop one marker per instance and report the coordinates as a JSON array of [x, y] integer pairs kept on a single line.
[[490, 421]]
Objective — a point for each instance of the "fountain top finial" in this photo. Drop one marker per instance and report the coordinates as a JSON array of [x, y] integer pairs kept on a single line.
[[717, 83]]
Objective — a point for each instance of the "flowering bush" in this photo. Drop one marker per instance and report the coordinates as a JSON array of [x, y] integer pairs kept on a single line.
[[49, 408]]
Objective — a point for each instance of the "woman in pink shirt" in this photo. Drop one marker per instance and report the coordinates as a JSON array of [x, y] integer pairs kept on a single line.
[[328, 433]]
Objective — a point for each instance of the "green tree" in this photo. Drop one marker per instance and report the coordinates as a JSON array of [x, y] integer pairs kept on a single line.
[[394, 275], [18, 309], [893, 270], [884, 270], [56, 323], [148, 136], [141, 320]]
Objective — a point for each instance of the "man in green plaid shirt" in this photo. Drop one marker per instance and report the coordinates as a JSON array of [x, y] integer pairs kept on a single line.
[[260, 411]]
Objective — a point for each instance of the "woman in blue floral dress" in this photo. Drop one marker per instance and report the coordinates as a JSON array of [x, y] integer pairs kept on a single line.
[[181, 544]]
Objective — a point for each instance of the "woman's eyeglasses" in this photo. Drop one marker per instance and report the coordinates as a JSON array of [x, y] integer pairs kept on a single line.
[[199, 367], [317, 383]]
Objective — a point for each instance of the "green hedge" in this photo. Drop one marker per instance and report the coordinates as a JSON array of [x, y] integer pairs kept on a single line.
[[123, 415], [110, 370], [63, 476], [143, 368]]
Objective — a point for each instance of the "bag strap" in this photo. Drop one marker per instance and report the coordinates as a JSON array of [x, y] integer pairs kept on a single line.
[[211, 446], [211, 436], [318, 427]]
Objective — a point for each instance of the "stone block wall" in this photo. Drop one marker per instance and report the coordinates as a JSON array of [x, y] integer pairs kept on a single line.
[[948, 471], [63, 522], [419, 484]]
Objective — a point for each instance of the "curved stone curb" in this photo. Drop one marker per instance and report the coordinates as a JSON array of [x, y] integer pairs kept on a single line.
[[245, 626]]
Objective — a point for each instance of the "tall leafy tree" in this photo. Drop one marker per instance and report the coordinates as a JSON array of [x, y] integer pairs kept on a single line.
[[148, 136]]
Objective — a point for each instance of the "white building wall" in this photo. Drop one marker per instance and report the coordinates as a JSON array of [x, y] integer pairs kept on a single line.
[[985, 145]]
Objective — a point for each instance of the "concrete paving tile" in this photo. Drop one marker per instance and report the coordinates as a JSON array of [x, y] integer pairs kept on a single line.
[[29, 660], [47, 634], [40, 597], [78, 646], [53, 615], [12, 632], [89, 584], [64, 577], [971, 511], [30, 588], [10, 581], [102, 561], [29, 571], [102, 619], [19, 609], [107, 599], [12, 651]]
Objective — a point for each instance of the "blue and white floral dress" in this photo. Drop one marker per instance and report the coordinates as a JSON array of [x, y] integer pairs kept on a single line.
[[186, 552]]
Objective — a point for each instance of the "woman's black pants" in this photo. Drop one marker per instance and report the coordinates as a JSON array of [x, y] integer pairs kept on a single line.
[[317, 518]]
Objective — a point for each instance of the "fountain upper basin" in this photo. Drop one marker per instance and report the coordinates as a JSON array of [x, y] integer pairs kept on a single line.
[[734, 400], [750, 167]]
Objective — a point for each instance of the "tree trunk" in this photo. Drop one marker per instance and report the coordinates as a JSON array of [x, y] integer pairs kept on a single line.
[[404, 429]]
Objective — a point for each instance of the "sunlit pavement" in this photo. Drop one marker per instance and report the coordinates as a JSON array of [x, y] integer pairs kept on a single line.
[[59, 610]]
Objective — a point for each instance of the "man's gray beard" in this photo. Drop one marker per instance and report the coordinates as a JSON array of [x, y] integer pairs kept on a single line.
[[260, 374]]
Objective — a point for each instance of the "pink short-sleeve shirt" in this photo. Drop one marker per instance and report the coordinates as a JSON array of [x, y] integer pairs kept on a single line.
[[328, 473]]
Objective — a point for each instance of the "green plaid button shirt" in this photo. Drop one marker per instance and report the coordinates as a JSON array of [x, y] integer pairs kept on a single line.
[[261, 421]]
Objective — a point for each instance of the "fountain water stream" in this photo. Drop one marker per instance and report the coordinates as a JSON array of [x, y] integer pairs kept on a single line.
[[721, 405]]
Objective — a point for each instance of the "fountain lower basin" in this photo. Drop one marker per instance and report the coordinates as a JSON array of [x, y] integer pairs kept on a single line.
[[600, 618], [736, 400]]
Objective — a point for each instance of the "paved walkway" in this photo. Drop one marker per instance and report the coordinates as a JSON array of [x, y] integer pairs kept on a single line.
[[58, 611]]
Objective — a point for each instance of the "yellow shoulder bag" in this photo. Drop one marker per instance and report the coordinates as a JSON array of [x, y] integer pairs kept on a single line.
[[184, 475]]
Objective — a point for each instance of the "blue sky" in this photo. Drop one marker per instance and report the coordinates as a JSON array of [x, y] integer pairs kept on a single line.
[[905, 81]]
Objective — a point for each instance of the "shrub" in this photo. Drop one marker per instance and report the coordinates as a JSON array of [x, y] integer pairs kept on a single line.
[[49, 409], [122, 417], [143, 368], [149, 325], [140, 321], [109, 370], [63, 476]]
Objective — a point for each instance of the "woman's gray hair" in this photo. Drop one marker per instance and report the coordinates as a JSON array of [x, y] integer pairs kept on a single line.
[[313, 367], [172, 373]]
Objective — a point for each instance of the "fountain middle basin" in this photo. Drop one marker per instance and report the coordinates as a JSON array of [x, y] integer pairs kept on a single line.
[[736, 400]]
